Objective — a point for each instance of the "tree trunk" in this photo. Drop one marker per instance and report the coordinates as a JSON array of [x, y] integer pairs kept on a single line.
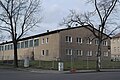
[[98, 62], [15, 54]]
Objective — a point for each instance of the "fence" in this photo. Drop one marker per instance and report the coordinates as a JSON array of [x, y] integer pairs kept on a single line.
[[80, 65]]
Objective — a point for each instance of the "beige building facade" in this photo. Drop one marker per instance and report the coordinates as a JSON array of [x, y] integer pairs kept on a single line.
[[115, 47], [76, 43]]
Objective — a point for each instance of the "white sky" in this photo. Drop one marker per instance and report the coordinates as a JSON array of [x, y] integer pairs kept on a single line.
[[54, 10]]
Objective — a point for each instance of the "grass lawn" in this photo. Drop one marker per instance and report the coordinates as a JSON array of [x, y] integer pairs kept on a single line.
[[79, 65]]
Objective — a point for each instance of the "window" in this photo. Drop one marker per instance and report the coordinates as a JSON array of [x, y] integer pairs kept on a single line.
[[36, 42], [18, 45], [118, 40], [43, 41], [42, 52], [79, 52], [47, 52], [22, 44], [68, 39], [11, 46], [113, 41], [96, 42], [89, 41], [105, 43], [89, 53], [115, 49], [2, 48], [96, 53], [6, 47], [46, 40], [68, 51], [79, 40], [118, 49], [105, 54], [31, 43], [26, 44]]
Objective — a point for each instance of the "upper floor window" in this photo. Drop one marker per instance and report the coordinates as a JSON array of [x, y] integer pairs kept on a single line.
[[26, 44], [104, 43], [68, 51], [43, 52], [1, 48], [6, 47], [31, 43], [22, 45], [68, 39], [36, 42], [46, 40], [18, 45], [79, 40], [96, 42], [115, 49], [11, 46], [89, 41], [79, 52], [43, 41], [118, 49]]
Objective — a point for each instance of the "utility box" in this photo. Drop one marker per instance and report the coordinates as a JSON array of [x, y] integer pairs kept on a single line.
[[60, 66], [26, 62]]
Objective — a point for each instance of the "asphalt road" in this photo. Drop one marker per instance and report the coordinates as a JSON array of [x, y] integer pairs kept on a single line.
[[22, 75]]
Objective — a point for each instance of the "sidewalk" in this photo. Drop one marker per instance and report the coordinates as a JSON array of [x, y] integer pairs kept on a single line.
[[65, 72], [56, 71], [53, 71]]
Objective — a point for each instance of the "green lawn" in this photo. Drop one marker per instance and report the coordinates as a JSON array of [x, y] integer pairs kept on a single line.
[[79, 65]]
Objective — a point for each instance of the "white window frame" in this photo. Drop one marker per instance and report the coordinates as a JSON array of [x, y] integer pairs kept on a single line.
[[21, 44], [29, 42], [89, 53], [79, 40], [105, 43], [105, 53], [47, 40], [89, 41], [34, 42], [42, 54], [79, 53], [96, 42], [69, 52], [43, 41], [68, 39]]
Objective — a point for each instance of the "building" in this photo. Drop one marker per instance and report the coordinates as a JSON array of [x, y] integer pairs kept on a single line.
[[75, 43], [115, 47]]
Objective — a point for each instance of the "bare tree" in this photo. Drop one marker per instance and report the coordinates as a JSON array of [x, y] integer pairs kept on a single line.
[[17, 17], [103, 10]]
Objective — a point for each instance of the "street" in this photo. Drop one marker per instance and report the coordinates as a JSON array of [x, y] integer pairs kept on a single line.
[[25, 75]]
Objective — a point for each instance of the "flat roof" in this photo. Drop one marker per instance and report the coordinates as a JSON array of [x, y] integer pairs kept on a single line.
[[48, 33]]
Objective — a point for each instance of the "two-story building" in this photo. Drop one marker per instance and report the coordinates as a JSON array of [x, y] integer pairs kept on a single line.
[[77, 43], [115, 47]]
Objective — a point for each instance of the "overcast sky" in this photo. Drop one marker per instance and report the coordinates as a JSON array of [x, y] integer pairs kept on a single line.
[[54, 10]]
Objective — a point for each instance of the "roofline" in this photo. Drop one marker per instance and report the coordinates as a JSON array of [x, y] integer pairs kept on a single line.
[[52, 32]]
